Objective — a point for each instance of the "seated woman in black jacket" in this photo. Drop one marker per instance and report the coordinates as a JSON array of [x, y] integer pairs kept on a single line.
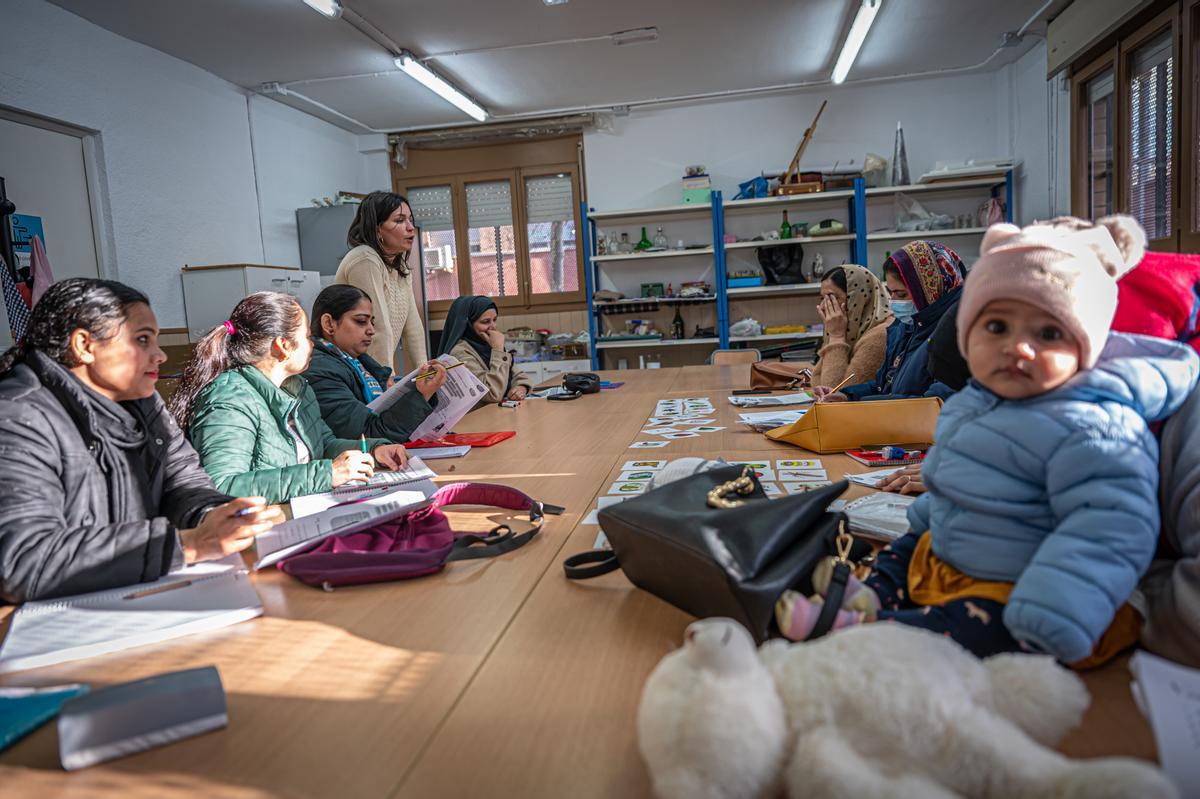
[[345, 378], [98, 486]]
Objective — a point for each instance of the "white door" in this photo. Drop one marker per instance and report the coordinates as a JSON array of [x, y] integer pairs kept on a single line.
[[44, 176]]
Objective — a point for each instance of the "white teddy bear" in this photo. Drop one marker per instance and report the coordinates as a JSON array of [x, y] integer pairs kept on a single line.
[[878, 710]]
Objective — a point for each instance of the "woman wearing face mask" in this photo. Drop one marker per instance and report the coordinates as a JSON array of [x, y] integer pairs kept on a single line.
[[471, 336], [382, 236], [99, 487], [255, 421], [345, 378], [855, 313], [925, 280]]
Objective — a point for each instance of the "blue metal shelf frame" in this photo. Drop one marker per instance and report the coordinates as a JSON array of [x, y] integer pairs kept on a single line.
[[589, 279], [719, 276], [858, 223]]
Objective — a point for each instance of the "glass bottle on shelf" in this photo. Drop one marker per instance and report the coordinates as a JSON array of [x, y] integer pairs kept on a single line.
[[785, 229], [677, 325], [660, 239], [601, 243], [625, 246], [645, 243], [614, 246]]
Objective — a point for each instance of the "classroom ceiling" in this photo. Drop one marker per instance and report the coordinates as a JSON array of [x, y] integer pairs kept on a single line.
[[703, 47]]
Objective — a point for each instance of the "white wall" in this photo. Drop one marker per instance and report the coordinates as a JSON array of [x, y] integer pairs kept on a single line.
[[298, 158], [175, 167], [996, 114]]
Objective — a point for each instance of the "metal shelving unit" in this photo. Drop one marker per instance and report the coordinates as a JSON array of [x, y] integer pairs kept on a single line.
[[856, 236]]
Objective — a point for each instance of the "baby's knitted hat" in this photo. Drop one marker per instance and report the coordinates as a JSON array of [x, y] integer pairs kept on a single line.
[[1067, 267]]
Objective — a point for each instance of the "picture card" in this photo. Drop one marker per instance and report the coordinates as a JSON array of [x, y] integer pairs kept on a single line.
[[806, 464], [661, 431], [772, 490], [644, 464], [765, 473], [802, 475], [685, 434], [648, 444], [800, 488], [626, 488], [696, 421], [706, 429], [636, 476], [757, 465]]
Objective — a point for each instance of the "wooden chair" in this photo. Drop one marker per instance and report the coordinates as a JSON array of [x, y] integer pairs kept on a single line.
[[730, 357]]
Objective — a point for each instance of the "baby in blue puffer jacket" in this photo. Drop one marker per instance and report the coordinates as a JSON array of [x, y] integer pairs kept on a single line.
[[1042, 504]]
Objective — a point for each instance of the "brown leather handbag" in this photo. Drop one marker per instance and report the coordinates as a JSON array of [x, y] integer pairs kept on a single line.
[[778, 375]]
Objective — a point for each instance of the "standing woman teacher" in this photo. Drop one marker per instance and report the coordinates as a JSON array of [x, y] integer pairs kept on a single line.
[[382, 236]]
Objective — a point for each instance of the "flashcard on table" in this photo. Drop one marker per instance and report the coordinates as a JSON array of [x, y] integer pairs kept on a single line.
[[772, 490], [707, 429], [660, 431], [655, 420], [808, 464], [602, 502], [758, 465], [800, 488], [803, 475], [626, 488], [648, 444], [636, 476], [686, 434], [765, 473], [651, 465], [696, 421]]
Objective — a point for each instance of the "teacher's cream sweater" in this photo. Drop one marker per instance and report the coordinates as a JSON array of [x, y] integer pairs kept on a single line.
[[397, 317]]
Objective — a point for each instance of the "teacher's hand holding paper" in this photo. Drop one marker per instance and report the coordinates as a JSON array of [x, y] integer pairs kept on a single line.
[[229, 528]]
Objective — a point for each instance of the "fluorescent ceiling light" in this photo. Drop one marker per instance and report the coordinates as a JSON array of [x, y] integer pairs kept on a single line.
[[635, 36], [854, 39], [330, 8], [555, 2], [436, 84]]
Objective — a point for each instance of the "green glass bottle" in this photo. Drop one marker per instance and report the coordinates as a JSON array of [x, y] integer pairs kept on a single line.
[[785, 230], [645, 243], [677, 325]]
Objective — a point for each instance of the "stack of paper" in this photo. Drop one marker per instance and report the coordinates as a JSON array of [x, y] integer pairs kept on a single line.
[[880, 515], [871, 479], [1169, 697], [762, 421]]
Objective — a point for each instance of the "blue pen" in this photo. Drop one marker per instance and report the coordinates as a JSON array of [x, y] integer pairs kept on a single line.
[[249, 510]]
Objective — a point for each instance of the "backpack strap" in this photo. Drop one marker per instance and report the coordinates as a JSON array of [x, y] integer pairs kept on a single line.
[[501, 538]]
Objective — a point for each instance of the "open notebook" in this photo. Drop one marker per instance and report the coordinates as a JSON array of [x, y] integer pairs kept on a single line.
[[202, 597]]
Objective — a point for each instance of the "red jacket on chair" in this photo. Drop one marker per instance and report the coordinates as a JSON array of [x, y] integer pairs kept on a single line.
[[1161, 297]]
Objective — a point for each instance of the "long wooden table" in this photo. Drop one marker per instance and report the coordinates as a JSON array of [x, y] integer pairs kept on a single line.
[[494, 678]]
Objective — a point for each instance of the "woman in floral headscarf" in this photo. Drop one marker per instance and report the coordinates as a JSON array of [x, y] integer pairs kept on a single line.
[[925, 280], [854, 308]]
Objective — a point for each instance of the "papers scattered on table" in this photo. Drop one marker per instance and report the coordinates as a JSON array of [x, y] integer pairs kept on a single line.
[[766, 401], [653, 466], [648, 444], [871, 479], [762, 421], [201, 597], [620, 487], [802, 475], [799, 487], [811, 463], [1169, 697], [459, 394], [304, 533], [880, 515], [636, 475]]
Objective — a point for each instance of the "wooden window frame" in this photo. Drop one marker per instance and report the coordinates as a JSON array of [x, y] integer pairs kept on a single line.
[[1189, 176], [1080, 149], [1167, 20], [538, 301]]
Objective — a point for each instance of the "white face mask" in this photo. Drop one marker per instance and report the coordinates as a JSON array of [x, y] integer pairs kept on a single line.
[[904, 310]]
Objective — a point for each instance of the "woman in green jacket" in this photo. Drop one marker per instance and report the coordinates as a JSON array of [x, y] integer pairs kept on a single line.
[[255, 421], [345, 378]]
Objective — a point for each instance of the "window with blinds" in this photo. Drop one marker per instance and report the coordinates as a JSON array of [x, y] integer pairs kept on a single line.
[[1099, 133], [550, 231], [1193, 53], [433, 214], [1151, 136], [492, 239]]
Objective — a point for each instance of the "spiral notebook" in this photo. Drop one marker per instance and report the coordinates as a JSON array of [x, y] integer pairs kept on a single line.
[[202, 597]]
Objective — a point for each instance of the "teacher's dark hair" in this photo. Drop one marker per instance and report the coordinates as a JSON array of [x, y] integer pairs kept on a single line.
[[334, 300], [372, 212], [79, 303], [242, 340]]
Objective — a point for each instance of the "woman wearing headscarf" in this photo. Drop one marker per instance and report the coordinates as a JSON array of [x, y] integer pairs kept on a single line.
[[925, 281], [471, 335], [854, 309]]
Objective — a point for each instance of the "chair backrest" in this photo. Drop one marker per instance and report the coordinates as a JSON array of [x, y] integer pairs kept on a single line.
[[729, 357]]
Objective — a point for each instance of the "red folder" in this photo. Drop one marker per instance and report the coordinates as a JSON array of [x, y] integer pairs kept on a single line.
[[461, 439]]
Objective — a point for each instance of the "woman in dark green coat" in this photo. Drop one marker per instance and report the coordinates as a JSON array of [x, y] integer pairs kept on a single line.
[[253, 418], [345, 378]]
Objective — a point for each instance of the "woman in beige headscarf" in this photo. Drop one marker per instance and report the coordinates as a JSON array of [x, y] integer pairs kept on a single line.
[[854, 308]]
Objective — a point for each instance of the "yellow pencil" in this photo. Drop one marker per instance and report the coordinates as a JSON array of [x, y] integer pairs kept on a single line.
[[845, 380], [433, 374]]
